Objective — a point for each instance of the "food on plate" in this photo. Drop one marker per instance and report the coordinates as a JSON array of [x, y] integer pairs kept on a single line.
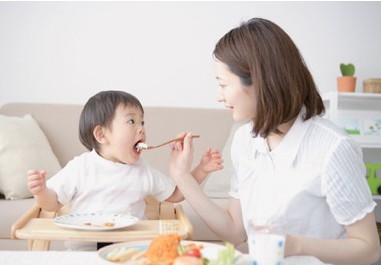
[[169, 250], [121, 255], [225, 256], [190, 250], [187, 260], [163, 249], [108, 224]]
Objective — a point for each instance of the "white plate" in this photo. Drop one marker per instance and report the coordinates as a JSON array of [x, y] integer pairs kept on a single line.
[[95, 221], [209, 251]]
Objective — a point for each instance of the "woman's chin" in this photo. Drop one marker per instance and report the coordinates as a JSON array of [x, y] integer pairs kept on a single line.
[[238, 118]]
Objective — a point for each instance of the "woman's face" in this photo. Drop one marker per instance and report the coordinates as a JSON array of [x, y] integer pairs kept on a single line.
[[236, 96]]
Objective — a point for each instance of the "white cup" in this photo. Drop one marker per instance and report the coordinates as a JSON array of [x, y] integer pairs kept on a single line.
[[266, 241]]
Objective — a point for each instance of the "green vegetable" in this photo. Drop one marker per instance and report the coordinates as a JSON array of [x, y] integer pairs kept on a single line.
[[191, 251], [225, 256], [182, 249]]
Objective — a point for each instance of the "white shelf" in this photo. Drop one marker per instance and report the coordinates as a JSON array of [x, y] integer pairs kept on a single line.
[[361, 106], [352, 95], [352, 101]]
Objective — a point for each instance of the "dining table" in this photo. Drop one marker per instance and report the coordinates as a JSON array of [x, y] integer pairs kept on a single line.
[[93, 258], [40, 231]]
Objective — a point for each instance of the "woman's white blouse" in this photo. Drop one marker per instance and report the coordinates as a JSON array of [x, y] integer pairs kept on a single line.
[[313, 181]]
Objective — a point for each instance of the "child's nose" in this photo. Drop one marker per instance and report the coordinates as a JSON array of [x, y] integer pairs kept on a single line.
[[141, 129]]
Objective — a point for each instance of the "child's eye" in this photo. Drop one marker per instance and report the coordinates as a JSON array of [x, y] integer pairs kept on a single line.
[[132, 121], [142, 123]]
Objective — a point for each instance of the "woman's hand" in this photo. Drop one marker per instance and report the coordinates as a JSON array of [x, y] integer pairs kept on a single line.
[[181, 157]]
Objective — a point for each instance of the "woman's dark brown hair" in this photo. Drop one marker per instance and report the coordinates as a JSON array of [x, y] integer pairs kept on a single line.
[[259, 52], [100, 110]]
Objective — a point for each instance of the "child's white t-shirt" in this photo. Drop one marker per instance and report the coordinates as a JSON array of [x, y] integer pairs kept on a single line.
[[92, 184]]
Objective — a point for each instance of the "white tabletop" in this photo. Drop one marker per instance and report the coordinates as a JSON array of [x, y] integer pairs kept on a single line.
[[92, 258], [50, 257]]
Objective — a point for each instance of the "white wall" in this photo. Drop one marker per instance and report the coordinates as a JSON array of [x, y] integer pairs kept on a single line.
[[65, 52]]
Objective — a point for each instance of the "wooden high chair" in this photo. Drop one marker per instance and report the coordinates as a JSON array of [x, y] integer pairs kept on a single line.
[[37, 226]]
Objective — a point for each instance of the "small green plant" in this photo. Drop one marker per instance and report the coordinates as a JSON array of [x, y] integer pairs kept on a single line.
[[347, 69]]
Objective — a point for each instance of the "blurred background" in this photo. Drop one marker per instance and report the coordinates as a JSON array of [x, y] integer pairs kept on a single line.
[[64, 52]]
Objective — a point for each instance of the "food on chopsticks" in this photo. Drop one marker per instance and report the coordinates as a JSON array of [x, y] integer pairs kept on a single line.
[[141, 145]]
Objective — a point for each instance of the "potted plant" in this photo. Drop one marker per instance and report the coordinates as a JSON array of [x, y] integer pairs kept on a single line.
[[347, 82]]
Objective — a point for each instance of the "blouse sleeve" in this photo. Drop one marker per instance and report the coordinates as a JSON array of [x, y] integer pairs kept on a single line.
[[344, 183]]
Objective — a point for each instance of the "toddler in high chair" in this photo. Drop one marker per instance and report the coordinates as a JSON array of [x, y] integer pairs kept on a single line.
[[111, 177]]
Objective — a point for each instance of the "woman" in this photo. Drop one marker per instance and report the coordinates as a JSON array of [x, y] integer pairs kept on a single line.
[[289, 163]]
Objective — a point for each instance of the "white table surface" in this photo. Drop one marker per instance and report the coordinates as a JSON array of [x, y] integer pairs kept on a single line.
[[92, 258]]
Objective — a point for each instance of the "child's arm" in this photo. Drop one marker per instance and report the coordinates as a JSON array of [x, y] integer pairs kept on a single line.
[[177, 196], [211, 161], [46, 198]]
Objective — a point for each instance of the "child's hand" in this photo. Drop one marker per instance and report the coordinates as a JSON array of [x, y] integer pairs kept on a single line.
[[211, 161], [36, 181]]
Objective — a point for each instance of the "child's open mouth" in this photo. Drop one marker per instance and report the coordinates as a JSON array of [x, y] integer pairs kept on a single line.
[[139, 145]]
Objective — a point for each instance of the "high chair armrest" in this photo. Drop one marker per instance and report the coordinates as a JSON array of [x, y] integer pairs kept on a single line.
[[33, 212], [180, 215]]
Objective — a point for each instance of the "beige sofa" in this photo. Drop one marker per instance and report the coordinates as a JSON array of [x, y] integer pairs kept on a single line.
[[59, 123]]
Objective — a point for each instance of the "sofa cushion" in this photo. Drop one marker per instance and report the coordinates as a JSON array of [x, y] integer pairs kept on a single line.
[[23, 146], [9, 217]]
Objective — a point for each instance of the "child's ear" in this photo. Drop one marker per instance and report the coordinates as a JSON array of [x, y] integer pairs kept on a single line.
[[100, 134]]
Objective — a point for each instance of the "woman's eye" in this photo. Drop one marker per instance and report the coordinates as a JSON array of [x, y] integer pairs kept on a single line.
[[132, 121]]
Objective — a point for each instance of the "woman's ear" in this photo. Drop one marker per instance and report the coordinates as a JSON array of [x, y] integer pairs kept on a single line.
[[99, 133]]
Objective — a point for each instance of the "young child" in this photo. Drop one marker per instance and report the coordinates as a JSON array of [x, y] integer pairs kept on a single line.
[[111, 178]]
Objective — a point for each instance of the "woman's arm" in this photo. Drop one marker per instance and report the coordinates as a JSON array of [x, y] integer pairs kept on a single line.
[[362, 245], [227, 224]]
